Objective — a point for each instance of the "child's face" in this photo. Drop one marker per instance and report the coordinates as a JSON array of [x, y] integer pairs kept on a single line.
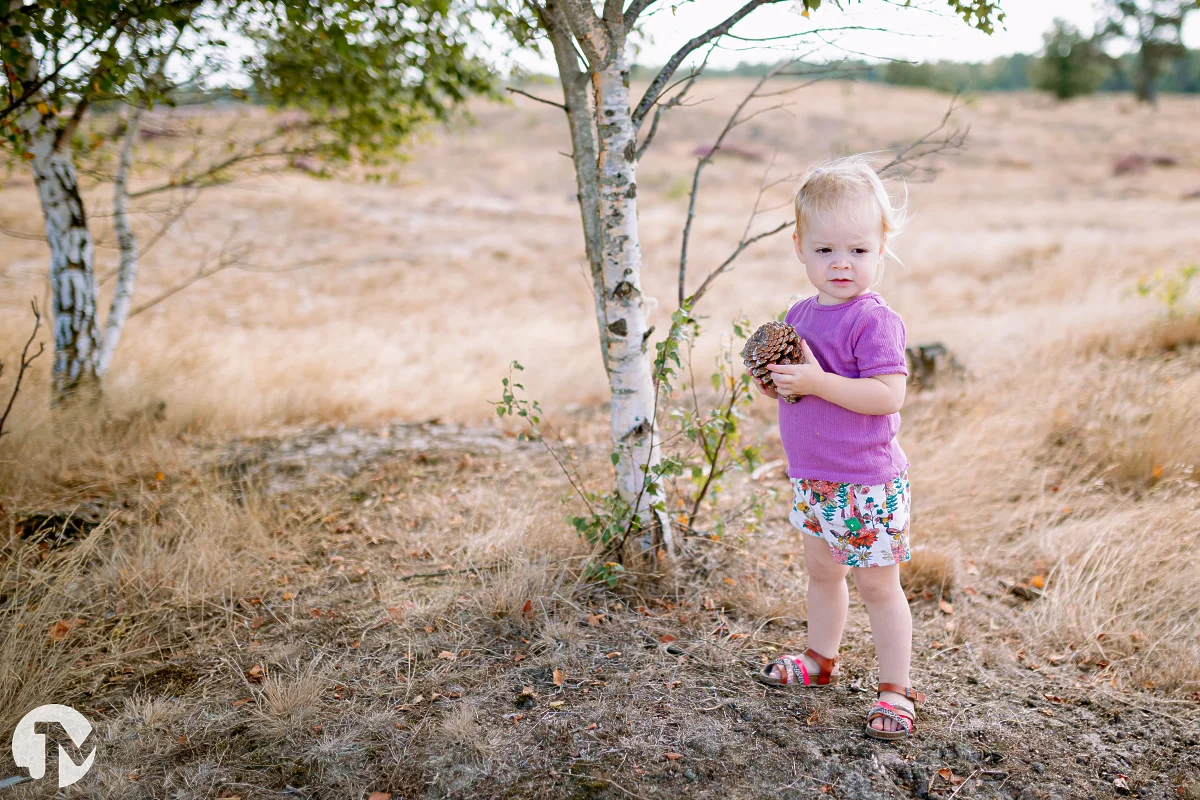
[[841, 253]]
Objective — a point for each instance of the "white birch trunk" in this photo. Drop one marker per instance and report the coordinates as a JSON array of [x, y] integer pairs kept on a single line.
[[127, 270], [604, 144], [72, 277], [625, 309]]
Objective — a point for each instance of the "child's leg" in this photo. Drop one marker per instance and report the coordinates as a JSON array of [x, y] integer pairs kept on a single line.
[[828, 599], [828, 602], [891, 628]]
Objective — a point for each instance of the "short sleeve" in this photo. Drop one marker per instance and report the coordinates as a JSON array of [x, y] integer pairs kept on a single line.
[[879, 344]]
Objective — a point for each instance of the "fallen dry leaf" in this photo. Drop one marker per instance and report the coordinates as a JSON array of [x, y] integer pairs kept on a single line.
[[948, 775], [558, 677], [288, 596], [527, 609], [613, 654], [1038, 581], [557, 705], [595, 619], [813, 718], [242, 702], [379, 796], [60, 629], [673, 756], [666, 637], [446, 654], [946, 607]]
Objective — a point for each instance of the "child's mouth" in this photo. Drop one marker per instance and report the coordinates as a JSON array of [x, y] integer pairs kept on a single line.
[[842, 280]]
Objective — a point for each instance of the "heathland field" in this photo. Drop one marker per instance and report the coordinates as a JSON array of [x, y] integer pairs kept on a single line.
[[304, 553]]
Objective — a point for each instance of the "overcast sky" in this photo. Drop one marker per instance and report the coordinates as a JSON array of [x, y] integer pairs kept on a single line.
[[926, 33]]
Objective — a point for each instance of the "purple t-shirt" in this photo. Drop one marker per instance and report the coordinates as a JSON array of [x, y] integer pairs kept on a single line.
[[824, 441]]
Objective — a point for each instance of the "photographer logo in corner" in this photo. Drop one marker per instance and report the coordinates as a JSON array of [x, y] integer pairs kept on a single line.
[[29, 746]]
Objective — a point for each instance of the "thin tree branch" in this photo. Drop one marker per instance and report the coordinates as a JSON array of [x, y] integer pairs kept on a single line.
[[921, 147], [675, 100], [535, 97], [634, 11], [206, 178], [733, 121], [26, 360], [664, 75]]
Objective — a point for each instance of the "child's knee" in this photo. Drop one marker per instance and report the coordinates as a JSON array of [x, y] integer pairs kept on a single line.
[[878, 584]]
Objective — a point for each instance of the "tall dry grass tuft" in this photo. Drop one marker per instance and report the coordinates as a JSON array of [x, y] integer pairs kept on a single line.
[[174, 550], [1121, 591]]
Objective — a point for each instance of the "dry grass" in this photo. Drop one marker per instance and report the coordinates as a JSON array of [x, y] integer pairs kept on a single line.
[[1069, 455]]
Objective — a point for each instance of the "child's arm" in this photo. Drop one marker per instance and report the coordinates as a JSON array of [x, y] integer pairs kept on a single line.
[[878, 394]]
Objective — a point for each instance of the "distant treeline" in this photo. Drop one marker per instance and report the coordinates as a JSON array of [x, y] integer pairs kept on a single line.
[[1006, 73]]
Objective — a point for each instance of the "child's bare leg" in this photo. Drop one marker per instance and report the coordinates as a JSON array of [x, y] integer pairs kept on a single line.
[[828, 602], [891, 628]]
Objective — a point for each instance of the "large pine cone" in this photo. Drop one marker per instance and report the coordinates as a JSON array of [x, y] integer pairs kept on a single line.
[[773, 343]]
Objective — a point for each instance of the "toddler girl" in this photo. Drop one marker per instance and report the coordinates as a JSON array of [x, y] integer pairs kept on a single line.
[[850, 479]]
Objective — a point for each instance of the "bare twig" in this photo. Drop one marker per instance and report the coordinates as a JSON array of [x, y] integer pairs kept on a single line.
[[675, 100], [26, 360], [926, 146], [634, 11], [735, 119], [664, 75], [535, 97]]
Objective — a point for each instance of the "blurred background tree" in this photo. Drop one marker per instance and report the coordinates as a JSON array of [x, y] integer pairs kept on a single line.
[[1155, 30], [1070, 64]]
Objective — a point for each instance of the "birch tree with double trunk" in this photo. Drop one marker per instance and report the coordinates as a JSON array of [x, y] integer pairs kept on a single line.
[[590, 42], [363, 74]]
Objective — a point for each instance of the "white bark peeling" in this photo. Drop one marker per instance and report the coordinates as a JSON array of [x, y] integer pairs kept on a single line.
[[72, 280], [127, 270], [624, 322]]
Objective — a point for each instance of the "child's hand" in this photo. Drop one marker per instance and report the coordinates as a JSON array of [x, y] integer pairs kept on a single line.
[[798, 379], [771, 393]]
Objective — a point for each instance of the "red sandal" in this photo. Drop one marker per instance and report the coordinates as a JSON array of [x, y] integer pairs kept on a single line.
[[906, 718], [795, 673]]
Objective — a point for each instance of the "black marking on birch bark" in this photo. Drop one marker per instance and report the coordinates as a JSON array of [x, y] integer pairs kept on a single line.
[[620, 327], [639, 430], [623, 291], [607, 130], [630, 151], [646, 336], [631, 192]]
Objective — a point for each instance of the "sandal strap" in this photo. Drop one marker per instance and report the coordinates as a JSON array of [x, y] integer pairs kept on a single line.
[[787, 666], [885, 709], [827, 665], [907, 691]]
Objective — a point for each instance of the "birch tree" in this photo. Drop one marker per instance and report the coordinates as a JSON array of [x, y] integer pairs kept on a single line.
[[590, 42], [365, 74]]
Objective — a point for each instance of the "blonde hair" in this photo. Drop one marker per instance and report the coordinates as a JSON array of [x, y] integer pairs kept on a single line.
[[839, 186]]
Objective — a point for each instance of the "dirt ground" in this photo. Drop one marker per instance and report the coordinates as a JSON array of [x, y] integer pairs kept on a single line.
[[368, 667]]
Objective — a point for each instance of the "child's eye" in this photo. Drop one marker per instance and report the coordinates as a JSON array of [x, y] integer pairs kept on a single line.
[[860, 250], [822, 249]]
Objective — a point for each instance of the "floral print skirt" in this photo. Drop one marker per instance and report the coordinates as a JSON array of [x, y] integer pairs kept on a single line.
[[865, 526]]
